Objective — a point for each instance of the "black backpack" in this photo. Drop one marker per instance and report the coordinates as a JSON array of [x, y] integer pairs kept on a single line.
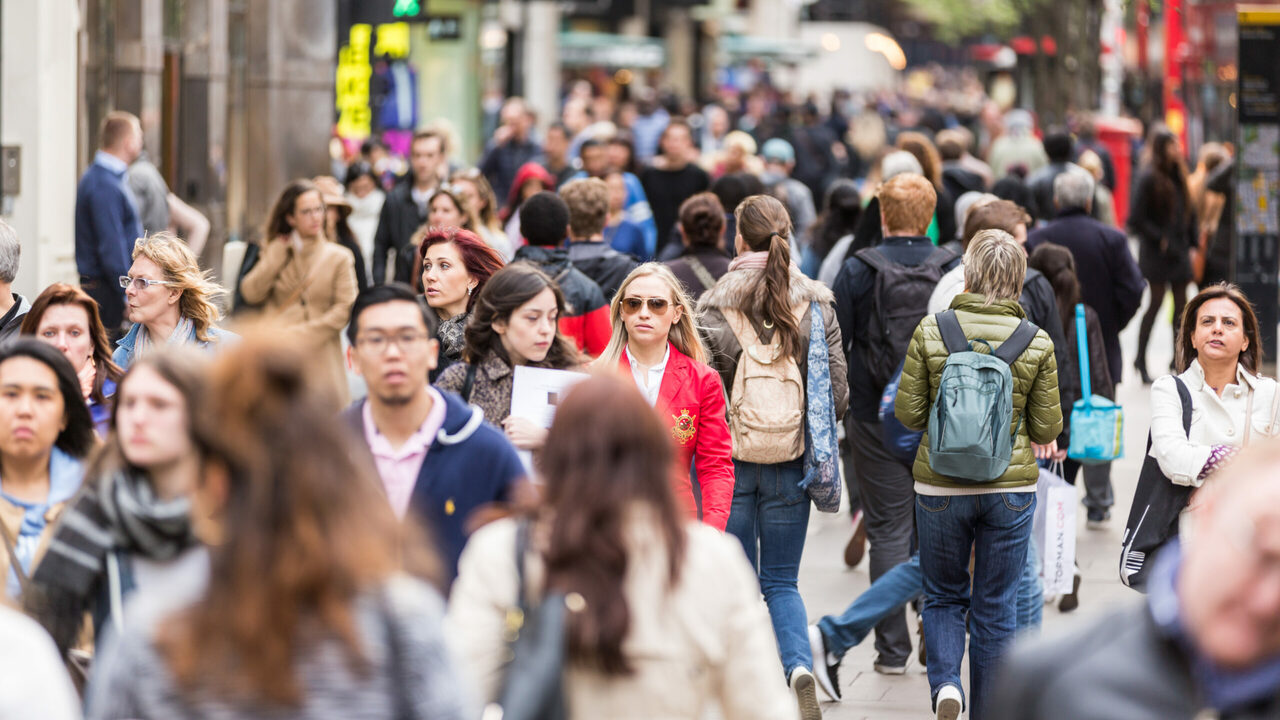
[[900, 300]]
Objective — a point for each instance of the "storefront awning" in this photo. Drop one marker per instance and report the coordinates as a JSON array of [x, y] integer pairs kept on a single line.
[[737, 47], [586, 49]]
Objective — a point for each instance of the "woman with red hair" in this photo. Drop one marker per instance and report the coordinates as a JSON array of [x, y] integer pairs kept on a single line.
[[455, 264]]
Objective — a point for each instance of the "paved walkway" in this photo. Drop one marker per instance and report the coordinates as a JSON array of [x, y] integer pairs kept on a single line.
[[828, 586]]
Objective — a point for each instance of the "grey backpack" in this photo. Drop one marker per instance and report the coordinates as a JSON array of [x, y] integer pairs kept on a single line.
[[969, 435]]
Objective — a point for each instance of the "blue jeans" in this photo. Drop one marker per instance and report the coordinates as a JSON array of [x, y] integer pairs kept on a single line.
[[886, 595], [1030, 592], [998, 527], [770, 513]]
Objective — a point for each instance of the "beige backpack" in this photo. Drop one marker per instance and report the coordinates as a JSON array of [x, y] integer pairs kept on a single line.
[[766, 413]]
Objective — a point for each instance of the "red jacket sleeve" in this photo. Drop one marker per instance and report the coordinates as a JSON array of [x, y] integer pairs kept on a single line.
[[596, 330], [713, 454], [571, 327]]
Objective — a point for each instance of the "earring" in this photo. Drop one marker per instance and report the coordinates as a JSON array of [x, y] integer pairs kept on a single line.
[[469, 289]]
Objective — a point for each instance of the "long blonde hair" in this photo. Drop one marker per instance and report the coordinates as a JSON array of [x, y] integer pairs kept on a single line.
[[200, 294], [684, 333]]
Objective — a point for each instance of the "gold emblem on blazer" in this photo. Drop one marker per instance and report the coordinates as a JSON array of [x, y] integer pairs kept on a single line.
[[684, 429]]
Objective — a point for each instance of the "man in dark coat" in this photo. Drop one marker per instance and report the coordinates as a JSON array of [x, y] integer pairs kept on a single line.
[[588, 201], [406, 206], [1110, 281], [511, 147]]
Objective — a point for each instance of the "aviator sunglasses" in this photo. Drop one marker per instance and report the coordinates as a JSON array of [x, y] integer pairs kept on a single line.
[[657, 306]]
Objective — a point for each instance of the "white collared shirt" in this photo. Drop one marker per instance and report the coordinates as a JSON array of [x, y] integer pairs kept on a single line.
[[649, 381]]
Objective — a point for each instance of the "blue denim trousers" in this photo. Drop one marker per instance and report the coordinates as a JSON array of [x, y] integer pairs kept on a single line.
[[998, 527], [769, 516], [886, 595]]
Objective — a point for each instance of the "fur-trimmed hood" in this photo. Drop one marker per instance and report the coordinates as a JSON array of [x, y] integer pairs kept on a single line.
[[736, 287]]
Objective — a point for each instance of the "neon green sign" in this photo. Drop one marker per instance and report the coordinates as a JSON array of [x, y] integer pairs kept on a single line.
[[406, 8]]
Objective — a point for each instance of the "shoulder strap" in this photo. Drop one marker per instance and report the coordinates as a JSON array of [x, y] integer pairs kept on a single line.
[[13, 558], [469, 382], [1184, 395], [952, 334], [522, 550], [740, 327], [1017, 342], [700, 271], [939, 257], [873, 257]]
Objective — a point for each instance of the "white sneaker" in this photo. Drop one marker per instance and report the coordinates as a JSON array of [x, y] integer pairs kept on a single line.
[[948, 704], [806, 692]]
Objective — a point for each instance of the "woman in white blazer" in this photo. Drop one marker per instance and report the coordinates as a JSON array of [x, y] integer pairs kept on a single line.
[[1219, 353]]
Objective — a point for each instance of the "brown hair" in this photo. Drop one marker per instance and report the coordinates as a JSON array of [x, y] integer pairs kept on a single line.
[[907, 202], [504, 293], [278, 219], [487, 213], [306, 527], [63, 294], [592, 487], [588, 201], [995, 215], [702, 220], [1250, 357], [924, 151], [431, 134], [1058, 266], [115, 126], [765, 226]]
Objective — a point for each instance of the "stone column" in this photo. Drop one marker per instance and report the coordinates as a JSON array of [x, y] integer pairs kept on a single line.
[[542, 58], [138, 44], [201, 178], [680, 53]]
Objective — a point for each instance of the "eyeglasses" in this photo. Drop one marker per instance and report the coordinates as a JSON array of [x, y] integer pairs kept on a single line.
[[141, 283], [378, 344], [657, 306]]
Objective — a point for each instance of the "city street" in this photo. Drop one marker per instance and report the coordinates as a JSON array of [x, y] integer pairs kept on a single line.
[[828, 587]]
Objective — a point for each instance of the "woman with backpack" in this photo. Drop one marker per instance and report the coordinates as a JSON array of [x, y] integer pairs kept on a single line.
[[758, 321], [975, 472], [656, 343]]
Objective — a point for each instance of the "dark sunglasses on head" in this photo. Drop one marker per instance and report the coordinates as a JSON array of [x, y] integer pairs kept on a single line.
[[657, 306]]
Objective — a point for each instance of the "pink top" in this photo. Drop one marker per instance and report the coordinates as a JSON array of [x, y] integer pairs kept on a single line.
[[399, 468]]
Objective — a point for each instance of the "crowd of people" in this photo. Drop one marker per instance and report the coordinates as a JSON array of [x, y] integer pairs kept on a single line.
[[769, 311]]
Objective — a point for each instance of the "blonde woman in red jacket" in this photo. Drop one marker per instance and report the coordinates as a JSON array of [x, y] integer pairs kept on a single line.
[[656, 343]]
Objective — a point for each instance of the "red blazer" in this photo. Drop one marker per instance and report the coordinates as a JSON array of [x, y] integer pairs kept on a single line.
[[691, 403]]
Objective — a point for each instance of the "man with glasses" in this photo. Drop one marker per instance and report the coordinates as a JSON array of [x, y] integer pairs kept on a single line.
[[434, 453]]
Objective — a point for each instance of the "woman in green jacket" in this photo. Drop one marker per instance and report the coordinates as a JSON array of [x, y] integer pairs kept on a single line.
[[993, 517]]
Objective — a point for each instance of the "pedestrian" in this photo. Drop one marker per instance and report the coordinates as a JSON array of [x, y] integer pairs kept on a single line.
[[867, 232], [366, 199], [994, 518], [585, 317], [67, 318], [13, 307], [130, 530], [170, 299], [150, 192], [942, 229], [405, 208], [841, 209], [595, 163], [673, 178], [666, 609], [656, 343], [1209, 204], [1202, 644], [48, 435], [36, 679], [1110, 281], [1165, 222], [1059, 148], [556, 158], [304, 607], [455, 266], [620, 233], [704, 260], [737, 155], [868, 307], [337, 229], [437, 462], [531, 179], [107, 221], [511, 146], [764, 291], [1104, 201], [1016, 147], [588, 203], [306, 283], [958, 176], [779, 163], [446, 210], [514, 322], [481, 204]]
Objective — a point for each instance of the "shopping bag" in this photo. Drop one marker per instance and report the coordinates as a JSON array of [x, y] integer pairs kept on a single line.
[[1097, 424], [1055, 529]]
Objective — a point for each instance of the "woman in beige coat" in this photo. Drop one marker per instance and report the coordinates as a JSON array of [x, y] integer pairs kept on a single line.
[[305, 283], [665, 618]]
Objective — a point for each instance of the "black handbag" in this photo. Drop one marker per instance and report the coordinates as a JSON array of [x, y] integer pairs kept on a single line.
[[1157, 504], [252, 252], [533, 682]]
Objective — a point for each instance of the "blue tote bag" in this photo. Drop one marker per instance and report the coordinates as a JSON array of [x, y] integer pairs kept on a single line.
[[1097, 424]]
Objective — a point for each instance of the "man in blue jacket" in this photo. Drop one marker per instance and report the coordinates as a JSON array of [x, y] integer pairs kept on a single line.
[[107, 222], [435, 455]]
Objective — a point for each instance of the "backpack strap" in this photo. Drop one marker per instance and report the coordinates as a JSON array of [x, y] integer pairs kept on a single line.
[[1184, 395], [701, 272], [1017, 342], [876, 259], [469, 382], [940, 257], [952, 334]]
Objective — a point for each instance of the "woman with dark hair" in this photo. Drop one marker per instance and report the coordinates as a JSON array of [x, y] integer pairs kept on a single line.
[[514, 321], [1163, 218], [704, 261], [841, 209], [477, 195], [306, 283], [45, 434], [304, 610], [666, 618], [445, 209], [131, 528], [364, 193], [67, 318], [455, 266], [761, 308]]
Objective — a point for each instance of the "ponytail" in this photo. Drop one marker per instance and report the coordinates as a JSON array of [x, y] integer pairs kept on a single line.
[[765, 226]]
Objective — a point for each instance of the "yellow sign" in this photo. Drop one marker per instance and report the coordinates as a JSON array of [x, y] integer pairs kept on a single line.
[[351, 85], [393, 40]]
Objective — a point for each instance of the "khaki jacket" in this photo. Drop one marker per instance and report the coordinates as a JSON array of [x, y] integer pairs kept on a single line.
[[11, 516], [322, 310], [706, 642]]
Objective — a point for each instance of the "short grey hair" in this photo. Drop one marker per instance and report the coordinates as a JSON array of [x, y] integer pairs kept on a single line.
[[897, 163], [1073, 189], [995, 266], [10, 251]]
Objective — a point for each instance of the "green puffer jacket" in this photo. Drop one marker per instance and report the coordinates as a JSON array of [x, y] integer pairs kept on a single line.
[[1035, 387]]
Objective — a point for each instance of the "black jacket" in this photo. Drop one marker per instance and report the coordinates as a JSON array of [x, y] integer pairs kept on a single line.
[[1166, 228], [586, 320], [1110, 282], [397, 223], [606, 266]]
